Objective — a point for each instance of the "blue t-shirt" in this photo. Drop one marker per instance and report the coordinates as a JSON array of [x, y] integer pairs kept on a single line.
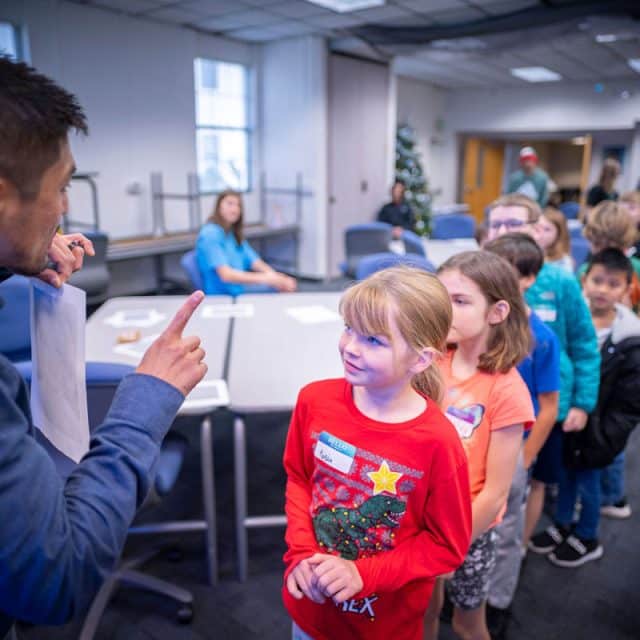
[[540, 370], [216, 248]]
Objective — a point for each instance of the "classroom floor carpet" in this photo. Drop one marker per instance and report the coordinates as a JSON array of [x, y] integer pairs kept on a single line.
[[598, 601]]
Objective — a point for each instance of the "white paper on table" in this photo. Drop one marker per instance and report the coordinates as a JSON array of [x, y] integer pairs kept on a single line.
[[58, 387], [313, 314], [135, 349], [143, 318], [242, 310]]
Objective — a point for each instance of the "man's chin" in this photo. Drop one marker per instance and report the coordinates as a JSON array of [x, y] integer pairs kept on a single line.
[[30, 269]]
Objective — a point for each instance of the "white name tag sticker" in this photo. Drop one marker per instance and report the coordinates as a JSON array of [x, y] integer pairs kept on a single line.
[[546, 315], [334, 452]]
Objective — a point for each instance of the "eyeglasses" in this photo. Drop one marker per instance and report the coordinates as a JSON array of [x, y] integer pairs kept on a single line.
[[509, 224]]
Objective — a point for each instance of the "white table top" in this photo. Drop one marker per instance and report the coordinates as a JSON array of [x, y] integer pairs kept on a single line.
[[149, 316], [289, 341], [439, 251]]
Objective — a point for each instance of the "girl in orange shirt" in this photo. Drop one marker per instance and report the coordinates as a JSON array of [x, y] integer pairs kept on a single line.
[[488, 403]]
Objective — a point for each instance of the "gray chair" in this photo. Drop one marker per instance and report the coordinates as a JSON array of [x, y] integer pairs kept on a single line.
[[362, 240], [94, 277], [378, 261], [413, 243]]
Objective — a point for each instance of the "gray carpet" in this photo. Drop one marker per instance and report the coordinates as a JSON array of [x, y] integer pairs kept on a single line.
[[595, 602]]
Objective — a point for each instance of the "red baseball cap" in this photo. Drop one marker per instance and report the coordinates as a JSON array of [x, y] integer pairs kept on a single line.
[[528, 153]]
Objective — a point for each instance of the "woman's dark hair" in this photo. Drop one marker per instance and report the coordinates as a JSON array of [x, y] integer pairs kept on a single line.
[[35, 118], [237, 226]]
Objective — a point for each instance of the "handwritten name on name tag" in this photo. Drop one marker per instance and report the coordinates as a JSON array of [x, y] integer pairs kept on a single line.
[[334, 452]]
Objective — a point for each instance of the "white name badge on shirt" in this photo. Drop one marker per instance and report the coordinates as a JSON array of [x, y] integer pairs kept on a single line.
[[334, 452], [546, 314]]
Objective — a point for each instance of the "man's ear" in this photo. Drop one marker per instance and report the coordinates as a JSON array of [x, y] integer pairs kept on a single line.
[[498, 312], [424, 360]]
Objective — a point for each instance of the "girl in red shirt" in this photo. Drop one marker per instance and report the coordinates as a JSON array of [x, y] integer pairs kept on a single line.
[[489, 405], [377, 497]]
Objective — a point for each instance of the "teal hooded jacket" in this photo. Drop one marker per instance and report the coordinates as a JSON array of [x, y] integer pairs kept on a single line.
[[556, 297]]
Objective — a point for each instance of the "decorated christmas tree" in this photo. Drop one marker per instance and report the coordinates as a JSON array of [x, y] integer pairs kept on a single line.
[[409, 170]]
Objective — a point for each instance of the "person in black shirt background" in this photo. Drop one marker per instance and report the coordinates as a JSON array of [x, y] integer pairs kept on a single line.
[[398, 212]]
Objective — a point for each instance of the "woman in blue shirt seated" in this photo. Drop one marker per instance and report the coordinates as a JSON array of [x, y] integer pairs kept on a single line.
[[227, 262]]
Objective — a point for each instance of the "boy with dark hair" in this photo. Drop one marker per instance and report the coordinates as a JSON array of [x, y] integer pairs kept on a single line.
[[541, 373], [605, 284], [60, 539]]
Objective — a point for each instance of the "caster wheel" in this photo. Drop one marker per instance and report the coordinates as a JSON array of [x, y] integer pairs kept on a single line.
[[185, 614], [175, 554]]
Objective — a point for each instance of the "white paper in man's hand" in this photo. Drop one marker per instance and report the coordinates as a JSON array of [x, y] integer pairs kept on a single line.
[[58, 388]]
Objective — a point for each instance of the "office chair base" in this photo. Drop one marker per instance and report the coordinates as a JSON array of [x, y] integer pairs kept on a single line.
[[127, 576]]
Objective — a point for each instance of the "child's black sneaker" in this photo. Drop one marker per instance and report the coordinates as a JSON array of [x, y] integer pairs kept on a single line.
[[575, 551], [547, 540], [497, 622], [620, 510]]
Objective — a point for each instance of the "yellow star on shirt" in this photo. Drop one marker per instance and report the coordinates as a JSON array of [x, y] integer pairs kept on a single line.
[[384, 479]]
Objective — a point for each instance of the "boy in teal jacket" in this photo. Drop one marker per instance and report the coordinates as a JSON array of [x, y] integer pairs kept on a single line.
[[557, 300]]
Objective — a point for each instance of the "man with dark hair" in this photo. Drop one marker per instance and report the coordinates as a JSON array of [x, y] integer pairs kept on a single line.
[[398, 212], [60, 539]]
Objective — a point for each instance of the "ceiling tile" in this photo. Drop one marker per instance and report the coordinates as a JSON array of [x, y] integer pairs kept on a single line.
[[127, 6], [253, 34], [299, 9], [337, 21], [240, 20], [263, 3], [213, 7], [453, 16], [499, 7], [431, 6], [175, 14], [381, 13], [291, 28]]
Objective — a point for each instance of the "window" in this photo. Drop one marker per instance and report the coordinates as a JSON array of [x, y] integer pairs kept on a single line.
[[9, 41], [223, 135]]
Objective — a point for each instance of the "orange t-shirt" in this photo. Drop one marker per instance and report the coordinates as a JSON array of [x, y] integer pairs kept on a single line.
[[481, 404]]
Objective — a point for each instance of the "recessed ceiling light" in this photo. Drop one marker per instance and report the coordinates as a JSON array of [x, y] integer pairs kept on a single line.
[[606, 37], [536, 74], [634, 63], [343, 6]]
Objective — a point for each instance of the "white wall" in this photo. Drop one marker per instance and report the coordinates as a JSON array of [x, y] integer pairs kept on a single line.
[[135, 80], [293, 121], [544, 108], [422, 106]]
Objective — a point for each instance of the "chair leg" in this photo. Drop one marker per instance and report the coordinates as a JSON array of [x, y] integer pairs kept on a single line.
[[98, 606], [126, 575], [156, 585], [240, 471], [209, 498]]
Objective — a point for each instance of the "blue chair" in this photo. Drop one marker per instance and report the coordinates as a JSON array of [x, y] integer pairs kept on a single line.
[[362, 240], [580, 250], [15, 330], [189, 263], [378, 261], [102, 380], [571, 210], [413, 243], [575, 232], [454, 225]]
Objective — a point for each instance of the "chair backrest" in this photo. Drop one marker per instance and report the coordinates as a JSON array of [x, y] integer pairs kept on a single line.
[[378, 261], [189, 263], [413, 243], [570, 210], [575, 232], [15, 329], [580, 249], [367, 238], [455, 225], [94, 277]]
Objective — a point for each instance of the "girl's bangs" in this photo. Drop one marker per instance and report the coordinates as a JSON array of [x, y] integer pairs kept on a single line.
[[365, 308]]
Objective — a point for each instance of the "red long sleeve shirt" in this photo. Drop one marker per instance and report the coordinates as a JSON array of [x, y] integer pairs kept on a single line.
[[392, 497]]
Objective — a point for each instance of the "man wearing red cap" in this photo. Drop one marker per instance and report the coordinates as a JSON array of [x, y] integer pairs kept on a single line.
[[530, 180]]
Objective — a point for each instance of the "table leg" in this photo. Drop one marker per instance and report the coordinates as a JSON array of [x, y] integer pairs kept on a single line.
[[240, 472], [209, 498]]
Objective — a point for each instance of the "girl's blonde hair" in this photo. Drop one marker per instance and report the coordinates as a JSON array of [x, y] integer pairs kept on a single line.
[[560, 246], [216, 218], [509, 341], [609, 225], [420, 306]]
